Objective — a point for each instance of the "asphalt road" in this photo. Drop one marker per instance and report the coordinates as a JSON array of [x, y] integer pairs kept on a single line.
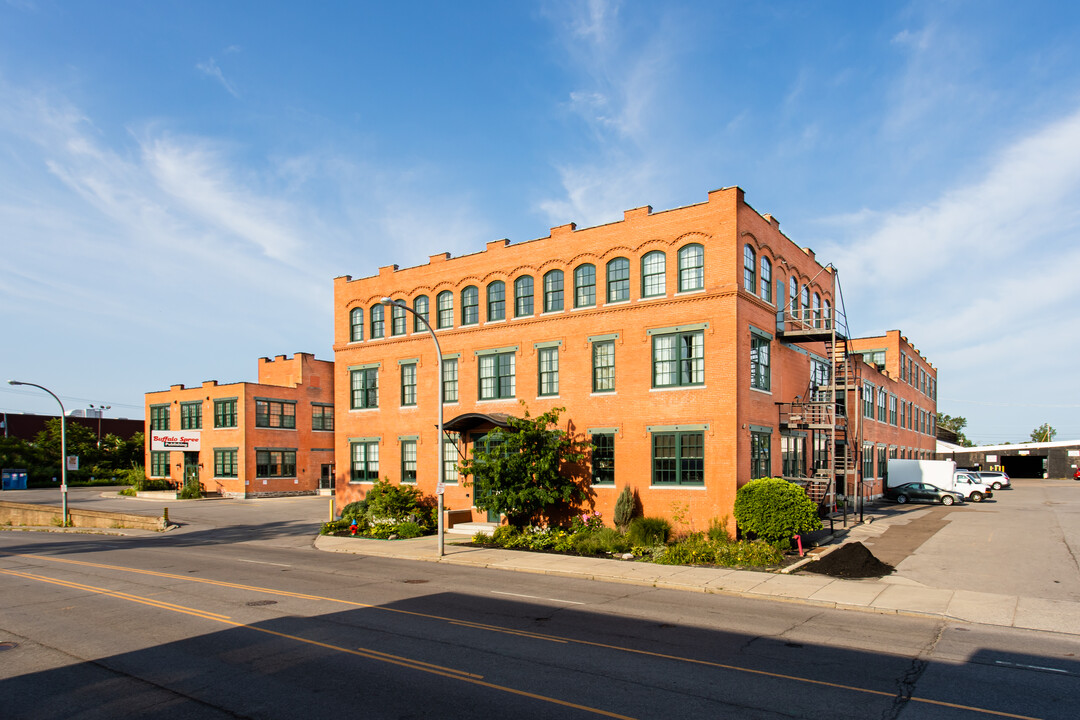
[[225, 619]]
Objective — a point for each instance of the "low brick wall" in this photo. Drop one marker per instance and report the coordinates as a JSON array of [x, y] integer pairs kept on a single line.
[[12, 513]]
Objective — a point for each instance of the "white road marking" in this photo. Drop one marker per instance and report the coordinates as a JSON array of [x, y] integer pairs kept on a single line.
[[261, 562], [1032, 667], [534, 597]]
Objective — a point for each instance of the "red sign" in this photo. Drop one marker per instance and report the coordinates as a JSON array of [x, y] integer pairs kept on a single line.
[[168, 440]]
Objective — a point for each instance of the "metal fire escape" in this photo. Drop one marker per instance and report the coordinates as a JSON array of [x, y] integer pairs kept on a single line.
[[824, 410]]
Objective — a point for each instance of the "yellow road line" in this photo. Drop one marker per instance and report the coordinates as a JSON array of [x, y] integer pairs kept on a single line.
[[528, 634]]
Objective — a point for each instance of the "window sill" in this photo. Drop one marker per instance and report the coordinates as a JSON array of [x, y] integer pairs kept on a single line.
[[695, 291], [677, 387], [677, 486], [617, 302], [497, 400], [363, 410], [583, 307], [552, 312], [759, 390], [603, 393], [547, 397]]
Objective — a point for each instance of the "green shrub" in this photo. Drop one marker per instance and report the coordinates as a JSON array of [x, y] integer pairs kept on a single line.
[[718, 531], [335, 527], [481, 538], [354, 510], [625, 508], [408, 530], [504, 534], [190, 491], [695, 549], [400, 503], [647, 531], [129, 491], [757, 553], [598, 542], [774, 509]]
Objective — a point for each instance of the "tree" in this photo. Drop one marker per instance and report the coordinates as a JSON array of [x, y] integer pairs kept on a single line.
[[524, 471], [775, 509], [1043, 433], [956, 425]]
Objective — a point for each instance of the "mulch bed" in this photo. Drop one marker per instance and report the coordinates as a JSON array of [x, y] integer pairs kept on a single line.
[[852, 560]]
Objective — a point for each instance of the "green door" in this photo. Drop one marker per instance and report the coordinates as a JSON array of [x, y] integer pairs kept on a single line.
[[480, 441], [191, 470]]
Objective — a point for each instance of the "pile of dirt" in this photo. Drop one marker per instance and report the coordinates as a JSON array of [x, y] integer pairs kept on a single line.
[[852, 560]]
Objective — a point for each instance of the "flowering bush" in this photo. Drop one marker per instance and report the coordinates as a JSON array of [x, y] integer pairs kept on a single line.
[[587, 521]]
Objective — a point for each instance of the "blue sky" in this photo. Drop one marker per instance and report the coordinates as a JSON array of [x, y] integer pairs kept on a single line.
[[181, 181]]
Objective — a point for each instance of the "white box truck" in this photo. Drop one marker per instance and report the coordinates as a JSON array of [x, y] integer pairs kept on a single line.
[[940, 473]]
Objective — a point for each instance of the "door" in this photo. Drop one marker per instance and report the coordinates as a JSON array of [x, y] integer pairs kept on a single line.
[[326, 477], [480, 441], [191, 470]]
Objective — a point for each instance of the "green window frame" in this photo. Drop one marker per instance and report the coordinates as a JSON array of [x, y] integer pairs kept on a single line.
[[356, 325], [397, 320], [868, 400], [421, 309], [444, 310], [225, 463], [497, 376], [191, 416], [470, 305], [364, 384], [793, 455], [159, 463], [408, 462], [523, 296], [867, 460], [225, 413], [450, 380], [585, 285], [793, 299], [450, 459], [766, 279], [553, 291], [364, 457], [603, 366], [760, 373], [603, 458], [408, 384], [548, 371], [691, 267], [159, 417], [892, 409], [678, 458], [749, 269], [618, 280], [273, 463], [496, 301], [678, 359], [322, 417], [377, 317], [279, 414], [654, 274], [882, 463], [760, 454], [882, 406]]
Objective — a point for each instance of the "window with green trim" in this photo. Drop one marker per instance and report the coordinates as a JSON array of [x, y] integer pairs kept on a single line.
[[603, 366], [868, 401], [397, 320], [548, 368], [159, 463], [585, 285], [191, 416], [678, 458], [882, 463], [322, 417], [275, 463], [408, 461], [450, 380], [760, 375], [159, 417], [766, 279], [356, 325], [892, 409], [421, 308], [749, 269], [444, 310], [365, 461], [792, 454], [553, 291], [653, 274], [450, 459], [275, 414], [377, 317], [496, 301], [882, 411], [760, 454], [867, 461], [224, 463], [497, 372], [679, 359], [618, 280], [691, 267], [408, 384], [364, 384], [523, 296], [603, 458], [224, 413], [470, 305]]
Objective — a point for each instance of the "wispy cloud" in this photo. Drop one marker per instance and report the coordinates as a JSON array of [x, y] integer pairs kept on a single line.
[[210, 68]]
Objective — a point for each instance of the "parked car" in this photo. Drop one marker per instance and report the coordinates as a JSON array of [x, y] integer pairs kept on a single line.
[[922, 492], [993, 478]]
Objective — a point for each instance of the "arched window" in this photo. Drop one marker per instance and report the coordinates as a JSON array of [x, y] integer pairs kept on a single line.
[[749, 272], [470, 306], [691, 267], [496, 301], [766, 279], [421, 308], [817, 310], [397, 320], [804, 302], [585, 285], [828, 315], [653, 272], [523, 296], [444, 309], [378, 324], [618, 280], [356, 325], [553, 291], [794, 298]]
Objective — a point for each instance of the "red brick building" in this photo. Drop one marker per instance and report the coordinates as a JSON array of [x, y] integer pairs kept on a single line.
[[271, 437], [696, 348]]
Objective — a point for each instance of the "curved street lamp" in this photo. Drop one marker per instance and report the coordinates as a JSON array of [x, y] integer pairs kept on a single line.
[[101, 411], [439, 401], [63, 447]]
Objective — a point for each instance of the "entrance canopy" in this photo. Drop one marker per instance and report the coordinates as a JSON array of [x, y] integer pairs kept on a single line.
[[468, 421]]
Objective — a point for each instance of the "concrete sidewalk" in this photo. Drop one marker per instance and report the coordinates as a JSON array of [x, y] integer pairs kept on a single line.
[[890, 594]]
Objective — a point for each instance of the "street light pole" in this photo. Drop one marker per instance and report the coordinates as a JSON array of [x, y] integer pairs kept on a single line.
[[101, 411], [63, 447], [439, 400]]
